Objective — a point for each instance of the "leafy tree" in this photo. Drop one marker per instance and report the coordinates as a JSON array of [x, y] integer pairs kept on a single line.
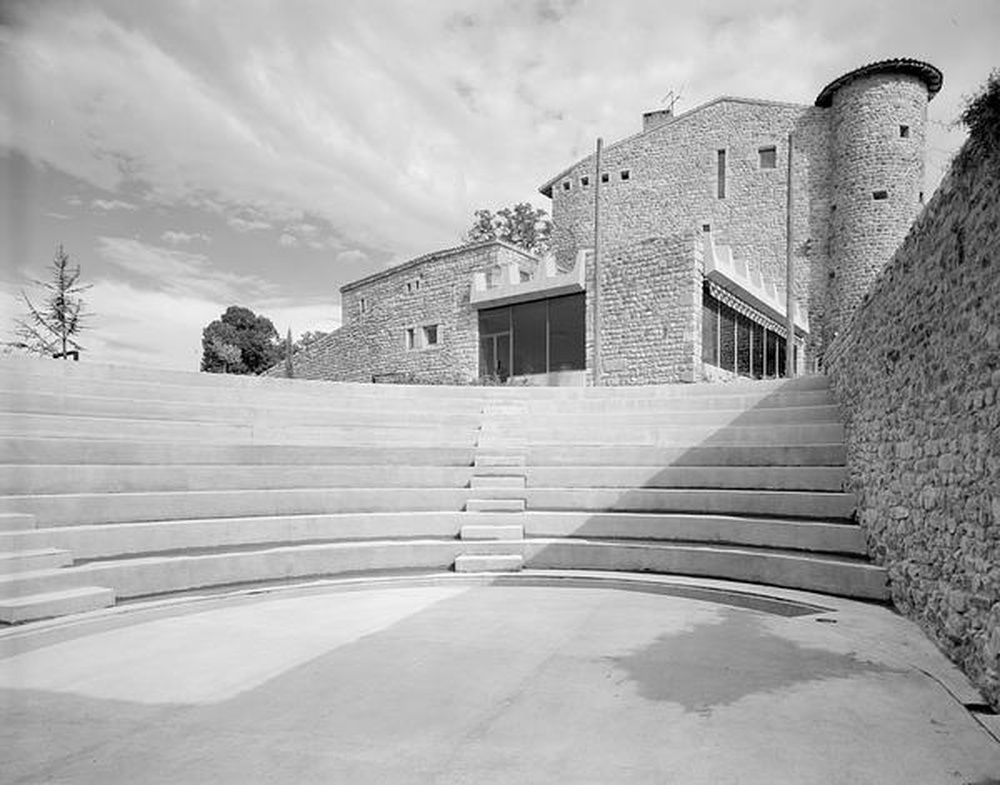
[[51, 327], [307, 339], [240, 342], [523, 225]]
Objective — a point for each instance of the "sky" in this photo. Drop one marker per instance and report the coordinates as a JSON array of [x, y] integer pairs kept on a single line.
[[194, 155]]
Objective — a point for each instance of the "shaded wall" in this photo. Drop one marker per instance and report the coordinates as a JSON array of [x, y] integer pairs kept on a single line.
[[917, 372]]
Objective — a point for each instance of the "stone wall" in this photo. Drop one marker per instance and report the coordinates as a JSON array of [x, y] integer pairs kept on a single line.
[[650, 311], [872, 156], [671, 189], [917, 372], [430, 290]]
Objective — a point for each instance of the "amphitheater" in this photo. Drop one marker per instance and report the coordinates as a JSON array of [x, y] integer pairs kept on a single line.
[[188, 559]]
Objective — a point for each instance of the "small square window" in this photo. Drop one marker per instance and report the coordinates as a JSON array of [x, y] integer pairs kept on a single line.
[[430, 335], [605, 177], [584, 181], [878, 196], [411, 338], [904, 132], [706, 228], [566, 185], [626, 174], [768, 157]]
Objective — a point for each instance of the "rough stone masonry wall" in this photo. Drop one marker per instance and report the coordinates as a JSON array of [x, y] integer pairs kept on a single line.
[[918, 375], [671, 190], [371, 343], [650, 303]]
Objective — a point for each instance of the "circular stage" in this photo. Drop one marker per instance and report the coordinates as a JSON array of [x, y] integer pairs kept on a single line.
[[451, 681]]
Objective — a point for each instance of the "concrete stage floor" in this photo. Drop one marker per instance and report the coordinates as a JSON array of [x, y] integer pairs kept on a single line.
[[459, 681]]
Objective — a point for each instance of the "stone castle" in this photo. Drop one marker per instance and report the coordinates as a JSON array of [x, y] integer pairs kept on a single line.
[[693, 226]]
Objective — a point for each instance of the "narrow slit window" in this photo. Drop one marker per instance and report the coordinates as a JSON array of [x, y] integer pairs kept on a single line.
[[363, 305], [768, 157], [721, 174], [411, 338]]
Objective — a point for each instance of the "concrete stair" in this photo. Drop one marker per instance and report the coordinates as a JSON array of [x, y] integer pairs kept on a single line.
[[122, 482]]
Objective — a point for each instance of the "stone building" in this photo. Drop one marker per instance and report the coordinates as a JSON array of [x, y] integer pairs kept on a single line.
[[689, 279]]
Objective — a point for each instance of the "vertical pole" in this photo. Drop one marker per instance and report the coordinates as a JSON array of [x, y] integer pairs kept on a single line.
[[789, 272], [597, 263]]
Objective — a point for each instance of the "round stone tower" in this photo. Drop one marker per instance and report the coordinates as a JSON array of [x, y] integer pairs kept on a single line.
[[878, 115]]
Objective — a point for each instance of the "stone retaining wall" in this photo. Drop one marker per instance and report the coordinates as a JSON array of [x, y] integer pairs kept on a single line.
[[918, 374]]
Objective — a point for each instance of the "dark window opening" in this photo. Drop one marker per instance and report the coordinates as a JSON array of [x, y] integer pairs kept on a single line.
[[721, 175], [732, 341], [584, 181], [566, 185], [880, 195], [626, 174], [430, 335], [706, 227], [768, 157], [921, 197], [904, 132], [534, 337], [605, 177]]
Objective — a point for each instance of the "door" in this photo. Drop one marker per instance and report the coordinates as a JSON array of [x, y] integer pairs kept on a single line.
[[494, 355]]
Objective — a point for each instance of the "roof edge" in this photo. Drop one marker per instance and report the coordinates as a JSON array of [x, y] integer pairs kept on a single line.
[[432, 256], [545, 189], [929, 74]]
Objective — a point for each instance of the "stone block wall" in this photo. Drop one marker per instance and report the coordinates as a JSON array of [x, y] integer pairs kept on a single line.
[[377, 310], [872, 156], [917, 372], [650, 311], [671, 189]]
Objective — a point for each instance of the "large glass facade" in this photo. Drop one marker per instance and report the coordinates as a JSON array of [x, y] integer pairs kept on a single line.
[[541, 336], [735, 342]]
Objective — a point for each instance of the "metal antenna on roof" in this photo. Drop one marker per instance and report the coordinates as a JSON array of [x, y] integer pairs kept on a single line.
[[672, 98]]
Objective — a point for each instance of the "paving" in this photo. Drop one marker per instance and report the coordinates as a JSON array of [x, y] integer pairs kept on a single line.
[[526, 679]]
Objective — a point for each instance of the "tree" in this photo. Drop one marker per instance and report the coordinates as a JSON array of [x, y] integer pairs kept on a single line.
[[240, 342], [523, 225], [50, 327]]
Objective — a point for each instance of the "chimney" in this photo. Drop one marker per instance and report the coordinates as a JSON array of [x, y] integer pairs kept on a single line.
[[656, 118]]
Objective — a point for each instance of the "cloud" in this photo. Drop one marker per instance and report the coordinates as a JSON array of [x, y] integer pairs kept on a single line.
[[181, 273], [247, 224], [288, 240], [107, 205], [351, 257], [58, 216], [183, 238]]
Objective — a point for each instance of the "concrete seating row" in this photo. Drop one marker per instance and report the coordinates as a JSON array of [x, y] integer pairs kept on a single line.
[[123, 483]]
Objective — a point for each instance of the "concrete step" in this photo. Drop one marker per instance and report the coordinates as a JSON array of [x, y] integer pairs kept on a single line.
[[160, 574], [480, 481], [326, 413], [495, 505], [133, 538], [667, 435], [36, 559], [16, 521], [21, 450], [792, 478], [816, 536], [112, 478], [489, 563], [610, 416], [499, 461], [47, 605], [73, 427], [796, 571], [828, 454], [83, 509], [474, 531], [784, 504]]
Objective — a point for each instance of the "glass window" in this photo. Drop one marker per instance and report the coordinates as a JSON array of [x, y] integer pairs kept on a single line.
[[528, 321], [494, 320], [768, 157], [431, 335], [709, 328], [566, 328], [736, 342], [721, 174]]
